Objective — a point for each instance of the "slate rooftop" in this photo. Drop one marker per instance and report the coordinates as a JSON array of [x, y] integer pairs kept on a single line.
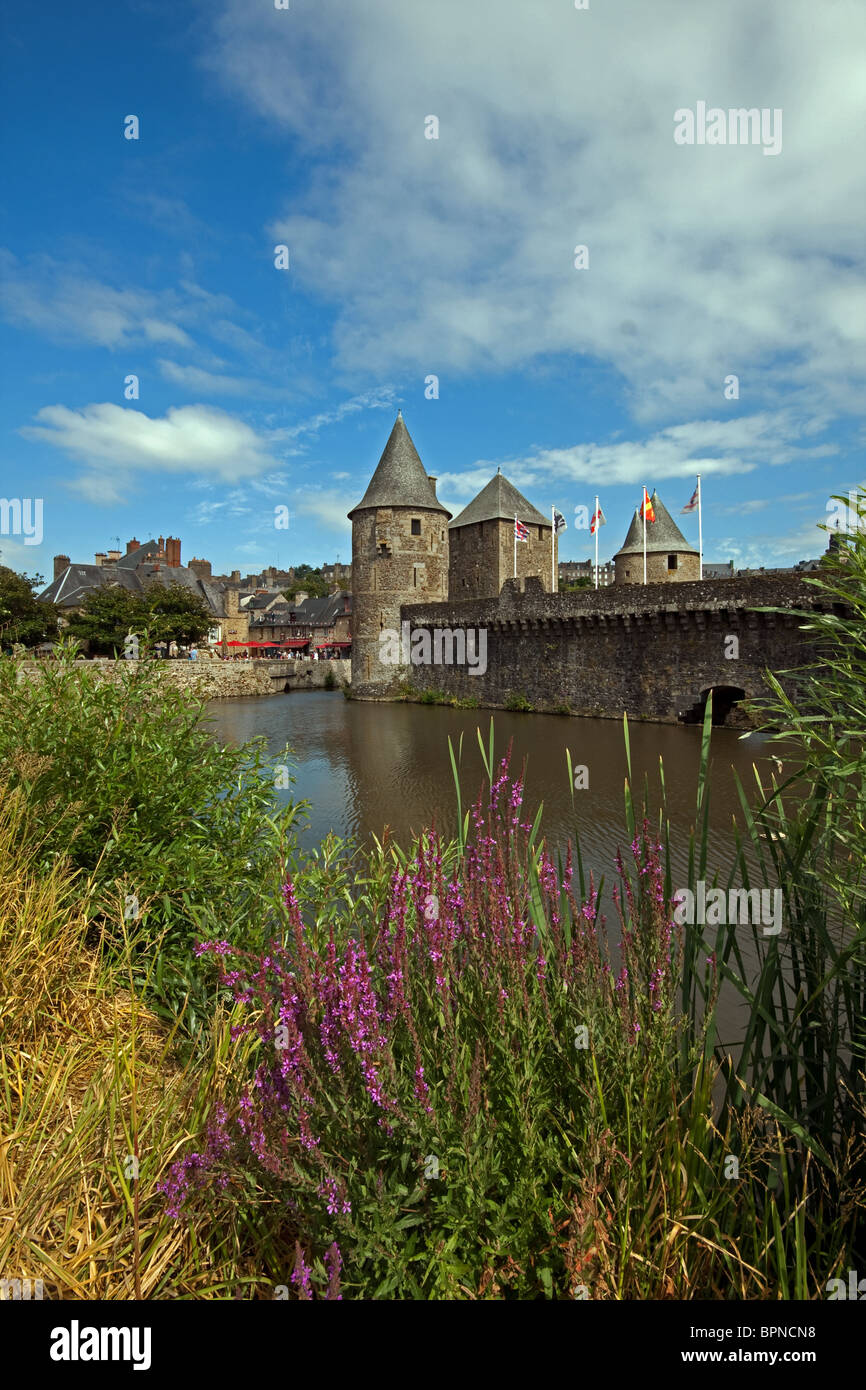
[[663, 534], [400, 479], [499, 501]]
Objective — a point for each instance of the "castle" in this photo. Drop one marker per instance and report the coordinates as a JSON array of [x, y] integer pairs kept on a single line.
[[407, 549]]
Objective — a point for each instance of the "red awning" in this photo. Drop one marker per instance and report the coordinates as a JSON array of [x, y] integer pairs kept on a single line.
[[238, 644], [324, 645]]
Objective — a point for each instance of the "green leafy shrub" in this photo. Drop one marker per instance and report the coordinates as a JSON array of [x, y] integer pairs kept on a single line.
[[519, 702], [185, 834]]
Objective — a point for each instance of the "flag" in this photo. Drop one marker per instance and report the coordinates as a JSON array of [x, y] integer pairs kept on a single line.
[[558, 522], [692, 506], [598, 519], [646, 511], [521, 532]]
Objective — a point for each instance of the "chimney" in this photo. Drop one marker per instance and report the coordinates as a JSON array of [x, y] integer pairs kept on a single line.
[[113, 557], [236, 577], [61, 563], [99, 557], [431, 478], [231, 602], [172, 552], [132, 545], [161, 547]]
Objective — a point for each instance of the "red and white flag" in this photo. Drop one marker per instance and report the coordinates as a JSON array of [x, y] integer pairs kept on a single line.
[[521, 532], [598, 519], [692, 506]]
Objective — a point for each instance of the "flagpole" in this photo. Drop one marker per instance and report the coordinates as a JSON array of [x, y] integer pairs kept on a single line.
[[700, 530], [596, 539], [643, 509], [515, 545], [552, 546]]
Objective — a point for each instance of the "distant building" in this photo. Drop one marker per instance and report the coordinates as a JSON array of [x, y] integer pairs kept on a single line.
[[307, 626], [723, 571], [572, 570], [669, 557], [338, 574], [153, 562]]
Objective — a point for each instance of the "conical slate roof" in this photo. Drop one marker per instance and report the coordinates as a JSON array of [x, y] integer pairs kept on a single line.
[[400, 479], [499, 501], [663, 534]]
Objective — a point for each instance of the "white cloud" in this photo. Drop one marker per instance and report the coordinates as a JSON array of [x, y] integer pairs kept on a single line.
[[556, 128], [64, 305], [116, 443], [29, 559], [203, 383], [708, 447], [764, 551], [327, 507], [379, 399]]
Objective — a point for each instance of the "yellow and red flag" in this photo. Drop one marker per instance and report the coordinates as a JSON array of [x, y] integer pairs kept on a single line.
[[647, 511]]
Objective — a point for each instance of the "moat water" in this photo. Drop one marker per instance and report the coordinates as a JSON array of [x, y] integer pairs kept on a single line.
[[365, 768]]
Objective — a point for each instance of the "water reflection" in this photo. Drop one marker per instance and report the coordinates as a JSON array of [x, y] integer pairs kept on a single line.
[[367, 766]]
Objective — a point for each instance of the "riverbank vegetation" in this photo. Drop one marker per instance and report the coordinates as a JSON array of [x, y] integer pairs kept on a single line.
[[429, 1070]]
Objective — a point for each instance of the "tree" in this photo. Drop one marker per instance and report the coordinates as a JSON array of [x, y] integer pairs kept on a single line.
[[105, 618], [310, 581], [163, 613], [24, 617], [176, 614]]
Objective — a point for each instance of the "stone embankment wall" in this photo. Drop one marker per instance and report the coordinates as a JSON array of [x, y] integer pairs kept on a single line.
[[212, 679], [310, 675], [208, 679], [651, 652]]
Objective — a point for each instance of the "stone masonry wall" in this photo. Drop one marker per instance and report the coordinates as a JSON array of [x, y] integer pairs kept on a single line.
[[209, 679], [310, 675], [629, 568], [648, 651], [482, 558]]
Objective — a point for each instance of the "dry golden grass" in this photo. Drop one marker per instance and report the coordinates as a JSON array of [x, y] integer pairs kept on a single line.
[[88, 1078]]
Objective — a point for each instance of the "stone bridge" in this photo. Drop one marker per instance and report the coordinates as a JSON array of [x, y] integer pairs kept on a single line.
[[305, 675], [653, 652]]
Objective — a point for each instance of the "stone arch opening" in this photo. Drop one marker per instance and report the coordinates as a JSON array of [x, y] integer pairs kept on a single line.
[[725, 700]]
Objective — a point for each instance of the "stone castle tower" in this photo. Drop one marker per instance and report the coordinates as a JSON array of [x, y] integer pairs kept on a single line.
[[399, 555], [669, 557], [481, 541]]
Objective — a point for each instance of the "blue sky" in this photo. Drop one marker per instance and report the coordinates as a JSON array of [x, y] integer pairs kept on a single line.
[[411, 257]]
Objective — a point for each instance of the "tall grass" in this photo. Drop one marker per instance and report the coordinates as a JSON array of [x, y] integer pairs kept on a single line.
[[90, 1080]]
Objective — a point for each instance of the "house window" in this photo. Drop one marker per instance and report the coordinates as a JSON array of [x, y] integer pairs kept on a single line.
[[672, 562], [383, 547], [541, 533], [416, 526]]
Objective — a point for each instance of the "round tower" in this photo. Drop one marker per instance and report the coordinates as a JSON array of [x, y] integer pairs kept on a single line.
[[669, 557], [399, 555]]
